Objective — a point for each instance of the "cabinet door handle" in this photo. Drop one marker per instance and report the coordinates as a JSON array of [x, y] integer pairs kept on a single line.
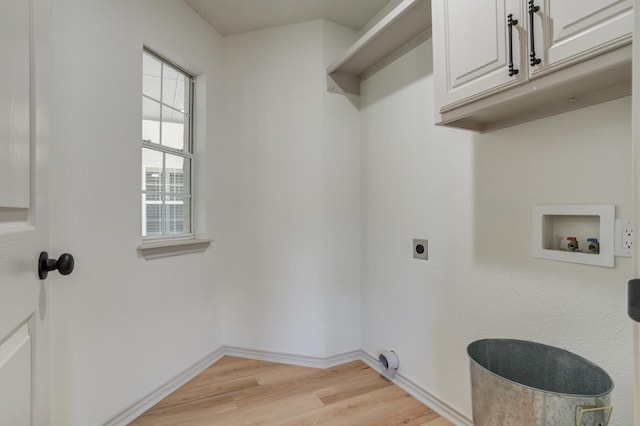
[[511, 23], [533, 9]]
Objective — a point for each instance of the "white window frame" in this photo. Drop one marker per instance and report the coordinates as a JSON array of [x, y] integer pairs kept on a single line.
[[187, 153]]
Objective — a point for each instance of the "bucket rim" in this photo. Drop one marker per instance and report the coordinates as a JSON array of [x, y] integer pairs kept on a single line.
[[575, 395]]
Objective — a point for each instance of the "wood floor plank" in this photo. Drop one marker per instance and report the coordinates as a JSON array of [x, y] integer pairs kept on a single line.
[[200, 412], [352, 387], [270, 411], [196, 390], [324, 383], [440, 421], [237, 391], [384, 407]]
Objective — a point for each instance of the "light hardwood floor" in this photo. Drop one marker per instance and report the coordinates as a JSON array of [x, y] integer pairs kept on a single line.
[[237, 391]]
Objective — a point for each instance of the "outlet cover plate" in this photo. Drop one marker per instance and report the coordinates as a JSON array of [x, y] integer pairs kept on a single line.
[[622, 243], [420, 249]]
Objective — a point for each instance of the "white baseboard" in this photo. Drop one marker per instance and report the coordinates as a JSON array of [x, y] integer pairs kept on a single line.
[[137, 408], [421, 394], [291, 359]]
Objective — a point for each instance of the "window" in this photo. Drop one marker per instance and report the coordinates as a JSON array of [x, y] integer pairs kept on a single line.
[[167, 148]]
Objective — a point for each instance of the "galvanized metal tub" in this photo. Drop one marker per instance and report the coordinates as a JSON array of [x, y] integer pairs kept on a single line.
[[520, 383]]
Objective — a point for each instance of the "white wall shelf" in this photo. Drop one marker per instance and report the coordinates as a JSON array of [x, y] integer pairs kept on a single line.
[[402, 29], [553, 223]]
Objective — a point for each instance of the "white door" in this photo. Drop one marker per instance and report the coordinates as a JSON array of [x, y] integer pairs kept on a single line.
[[570, 31], [471, 48], [24, 387]]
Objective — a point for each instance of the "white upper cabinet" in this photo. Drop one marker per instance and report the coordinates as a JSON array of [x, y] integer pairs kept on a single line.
[[570, 31], [471, 47], [500, 62]]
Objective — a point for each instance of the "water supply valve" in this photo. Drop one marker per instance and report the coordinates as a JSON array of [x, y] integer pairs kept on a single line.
[[594, 245], [572, 245]]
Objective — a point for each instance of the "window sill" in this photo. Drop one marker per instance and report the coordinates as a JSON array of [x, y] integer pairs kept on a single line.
[[166, 248]]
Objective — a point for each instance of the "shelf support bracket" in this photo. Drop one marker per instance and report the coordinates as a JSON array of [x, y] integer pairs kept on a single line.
[[343, 83]]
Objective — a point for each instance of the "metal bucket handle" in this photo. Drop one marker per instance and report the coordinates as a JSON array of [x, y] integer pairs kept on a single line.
[[588, 410]]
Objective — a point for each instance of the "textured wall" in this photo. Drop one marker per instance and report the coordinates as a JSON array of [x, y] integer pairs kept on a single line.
[[121, 325], [472, 195], [291, 151]]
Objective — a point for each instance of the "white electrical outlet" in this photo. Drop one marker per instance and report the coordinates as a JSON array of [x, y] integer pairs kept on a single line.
[[623, 237], [627, 237]]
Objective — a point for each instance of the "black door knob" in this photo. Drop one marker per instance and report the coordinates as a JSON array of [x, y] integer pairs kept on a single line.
[[64, 264]]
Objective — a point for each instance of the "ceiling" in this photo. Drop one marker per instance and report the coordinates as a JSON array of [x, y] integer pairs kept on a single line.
[[237, 16]]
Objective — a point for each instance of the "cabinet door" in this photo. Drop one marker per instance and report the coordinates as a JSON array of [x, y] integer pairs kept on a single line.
[[570, 31], [471, 49]]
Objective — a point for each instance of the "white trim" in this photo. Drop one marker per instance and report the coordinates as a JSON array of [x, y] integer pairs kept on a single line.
[[420, 393], [291, 359], [164, 248], [137, 408], [10, 228]]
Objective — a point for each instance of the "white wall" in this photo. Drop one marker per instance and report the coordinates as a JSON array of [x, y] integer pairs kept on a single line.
[[122, 325], [291, 153], [289, 176], [341, 172], [471, 196]]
